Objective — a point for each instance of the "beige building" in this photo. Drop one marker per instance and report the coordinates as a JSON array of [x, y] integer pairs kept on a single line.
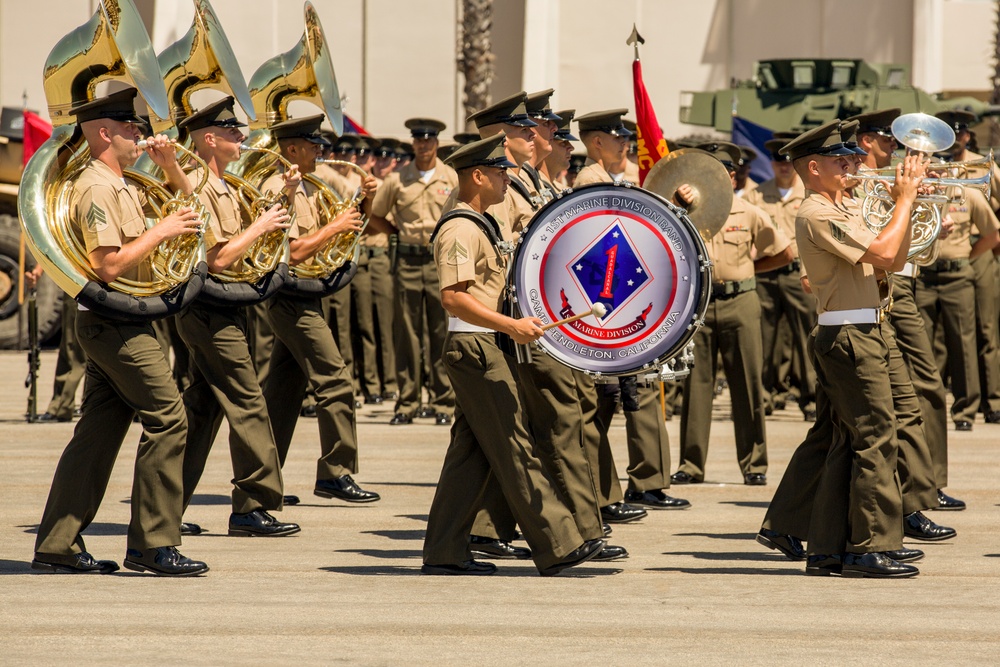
[[396, 58]]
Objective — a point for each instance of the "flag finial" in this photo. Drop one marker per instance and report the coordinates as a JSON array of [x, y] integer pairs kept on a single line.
[[634, 40]]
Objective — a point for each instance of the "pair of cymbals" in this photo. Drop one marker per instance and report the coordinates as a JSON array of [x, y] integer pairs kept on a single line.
[[707, 177]]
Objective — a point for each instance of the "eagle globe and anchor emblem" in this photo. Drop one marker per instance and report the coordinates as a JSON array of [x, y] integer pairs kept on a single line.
[[626, 249]]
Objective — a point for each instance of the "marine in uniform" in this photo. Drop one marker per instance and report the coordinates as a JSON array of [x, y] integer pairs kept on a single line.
[[874, 136], [71, 364], [555, 166], [409, 202], [732, 327], [606, 137], [305, 353], [488, 438], [743, 185], [780, 292], [223, 380], [127, 373]]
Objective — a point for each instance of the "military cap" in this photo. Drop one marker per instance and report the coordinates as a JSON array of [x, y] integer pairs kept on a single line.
[[748, 154], [366, 144], [510, 111], [444, 150], [678, 144], [879, 122], [773, 147], [562, 125], [786, 134], [300, 128], [404, 150], [424, 128], [822, 140], [118, 106], [386, 147], [849, 135], [728, 154], [577, 161], [957, 119], [630, 125], [347, 144], [463, 138], [537, 105], [217, 114], [488, 152], [604, 121]]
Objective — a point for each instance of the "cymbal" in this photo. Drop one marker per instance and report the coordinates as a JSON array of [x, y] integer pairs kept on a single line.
[[706, 176]]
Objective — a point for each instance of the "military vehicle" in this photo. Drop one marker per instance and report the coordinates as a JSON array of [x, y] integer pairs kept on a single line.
[[799, 94], [14, 329]]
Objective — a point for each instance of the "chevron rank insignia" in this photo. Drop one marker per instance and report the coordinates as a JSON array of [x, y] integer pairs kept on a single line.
[[839, 231], [97, 219], [458, 254]]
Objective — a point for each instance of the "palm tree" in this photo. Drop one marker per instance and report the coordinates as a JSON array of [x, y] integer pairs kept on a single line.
[[475, 54]]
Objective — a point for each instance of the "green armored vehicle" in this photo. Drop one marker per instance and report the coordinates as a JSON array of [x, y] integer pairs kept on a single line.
[[799, 94]]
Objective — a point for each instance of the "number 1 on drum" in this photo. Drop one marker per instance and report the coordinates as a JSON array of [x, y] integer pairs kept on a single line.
[[609, 272]]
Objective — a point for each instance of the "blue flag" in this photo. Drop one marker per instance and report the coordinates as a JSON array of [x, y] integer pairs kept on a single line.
[[750, 134]]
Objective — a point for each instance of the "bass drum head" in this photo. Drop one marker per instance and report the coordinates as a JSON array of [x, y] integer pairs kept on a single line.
[[626, 249]]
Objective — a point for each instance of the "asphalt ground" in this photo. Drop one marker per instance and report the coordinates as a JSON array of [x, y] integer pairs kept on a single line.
[[696, 589]]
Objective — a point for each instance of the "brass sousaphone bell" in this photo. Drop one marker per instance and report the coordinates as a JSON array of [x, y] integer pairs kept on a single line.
[[713, 188], [112, 45]]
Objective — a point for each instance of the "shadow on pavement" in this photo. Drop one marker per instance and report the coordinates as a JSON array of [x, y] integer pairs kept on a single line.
[[719, 536], [15, 567], [727, 570], [397, 534], [383, 553], [503, 571], [415, 517], [731, 555], [763, 504], [210, 499], [93, 529]]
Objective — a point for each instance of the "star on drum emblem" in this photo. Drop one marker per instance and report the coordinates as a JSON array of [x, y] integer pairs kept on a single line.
[[610, 270]]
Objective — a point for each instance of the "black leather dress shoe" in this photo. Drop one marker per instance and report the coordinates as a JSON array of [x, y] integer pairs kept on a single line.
[[621, 513], [993, 417], [374, 399], [755, 479], [357, 404], [578, 556], [400, 419], [963, 425], [656, 499], [390, 395], [822, 566], [308, 411], [809, 415], [789, 545], [875, 565], [441, 419], [610, 552], [49, 418], [290, 500], [905, 555], [81, 563], [188, 528], [260, 524], [946, 502], [426, 412], [486, 547], [344, 488], [918, 527], [164, 561], [606, 529], [681, 477], [472, 567]]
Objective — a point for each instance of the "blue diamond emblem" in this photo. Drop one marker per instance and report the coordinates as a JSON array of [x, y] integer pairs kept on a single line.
[[609, 271]]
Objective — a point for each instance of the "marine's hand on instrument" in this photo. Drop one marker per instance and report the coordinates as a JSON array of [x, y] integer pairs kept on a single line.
[[368, 187], [348, 221], [909, 175], [183, 221], [161, 149], [947, 225], [525, 330], [272, 219], [292, 181], [31, 277], [684, 195]]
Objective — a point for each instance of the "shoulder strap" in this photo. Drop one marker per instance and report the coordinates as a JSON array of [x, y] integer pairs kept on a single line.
[[522, 190], [485, 222]]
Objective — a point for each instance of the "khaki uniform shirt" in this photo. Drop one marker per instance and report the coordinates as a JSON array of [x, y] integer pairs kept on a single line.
[[342, 185], [782, 211], [832, 240], [994, 177], [303, 208], [109, 214], [415, 206], [224, 221], [512, 214], [975, 211], [376, 239], [748, 227], [463, 253], [748, 187], [593, 173]]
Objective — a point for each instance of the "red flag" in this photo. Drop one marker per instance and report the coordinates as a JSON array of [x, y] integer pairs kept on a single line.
[[652, 145], [36, 132]]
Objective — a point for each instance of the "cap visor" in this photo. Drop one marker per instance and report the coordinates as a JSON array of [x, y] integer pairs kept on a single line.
[[838, 152], [522, 122], [505, 163], [566, 136]]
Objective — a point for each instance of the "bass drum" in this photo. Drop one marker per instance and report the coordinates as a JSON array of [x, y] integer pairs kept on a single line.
[[627, 249]]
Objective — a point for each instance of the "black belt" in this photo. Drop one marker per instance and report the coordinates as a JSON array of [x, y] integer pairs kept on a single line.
[[414, 250], [730, 288], [373, 251], [945, 265]]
